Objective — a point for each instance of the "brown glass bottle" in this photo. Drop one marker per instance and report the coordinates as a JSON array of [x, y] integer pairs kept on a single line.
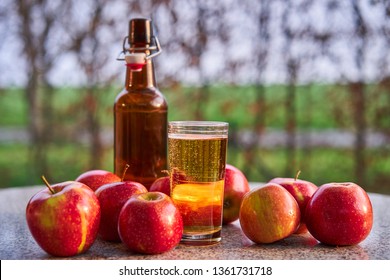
[[140, 116]]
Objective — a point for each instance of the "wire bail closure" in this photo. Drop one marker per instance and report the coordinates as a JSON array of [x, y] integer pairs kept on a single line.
[[156, 49], [136, 60]]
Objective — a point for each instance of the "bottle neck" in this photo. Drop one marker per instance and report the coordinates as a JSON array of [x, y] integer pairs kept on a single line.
[[141, 79]]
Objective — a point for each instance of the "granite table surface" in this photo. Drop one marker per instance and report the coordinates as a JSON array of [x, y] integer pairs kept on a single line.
[[16, 242]]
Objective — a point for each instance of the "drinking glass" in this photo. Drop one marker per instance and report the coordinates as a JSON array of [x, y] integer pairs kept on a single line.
[[197, 160]]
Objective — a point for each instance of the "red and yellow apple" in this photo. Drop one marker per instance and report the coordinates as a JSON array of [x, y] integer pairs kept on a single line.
[[236, 186], [96, 178], [269, 213], [64, 218], [302, 191], [150, 223], [112, 197], [339, 214]]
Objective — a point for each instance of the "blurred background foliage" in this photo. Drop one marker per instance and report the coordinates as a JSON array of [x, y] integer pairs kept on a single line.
[[303, 84]]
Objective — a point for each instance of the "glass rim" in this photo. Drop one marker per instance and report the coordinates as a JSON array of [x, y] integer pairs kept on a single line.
[[198, 127], [199, 123]]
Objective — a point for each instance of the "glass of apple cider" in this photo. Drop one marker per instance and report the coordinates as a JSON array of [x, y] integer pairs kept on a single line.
[[197, 160]]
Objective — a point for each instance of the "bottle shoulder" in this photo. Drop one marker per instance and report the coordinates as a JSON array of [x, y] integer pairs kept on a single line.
[[143, 98]]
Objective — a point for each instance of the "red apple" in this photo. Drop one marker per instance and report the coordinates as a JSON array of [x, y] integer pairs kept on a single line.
[[302, 191], [161, 184], [339, 214], [112, 197], [236, 186], [64, 218], [150, 223], [96, 178], [269, 213]]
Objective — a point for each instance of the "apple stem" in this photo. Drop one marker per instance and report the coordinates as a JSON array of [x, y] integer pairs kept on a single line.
[[297, 175], [47, 184], [124, 171]]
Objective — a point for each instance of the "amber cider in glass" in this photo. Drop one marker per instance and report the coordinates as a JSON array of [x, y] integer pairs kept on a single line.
[[197, 167]]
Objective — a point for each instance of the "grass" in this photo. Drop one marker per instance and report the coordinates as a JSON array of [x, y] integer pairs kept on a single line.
[[235, 104], [13, 108], [64, 162], [317, 106]]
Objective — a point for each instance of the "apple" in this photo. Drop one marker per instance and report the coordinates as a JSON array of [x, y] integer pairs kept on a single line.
[[269, 213], [64, 218], [96, 178], [150, 223], [112, 197], [236, 186], [302, 191], [339, 214], [161, 184]]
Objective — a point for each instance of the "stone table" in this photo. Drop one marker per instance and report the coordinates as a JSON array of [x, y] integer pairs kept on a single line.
[[16, 243]]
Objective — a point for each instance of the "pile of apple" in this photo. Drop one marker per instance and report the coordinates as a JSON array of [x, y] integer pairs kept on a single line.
[[337, 214], [66, 218]]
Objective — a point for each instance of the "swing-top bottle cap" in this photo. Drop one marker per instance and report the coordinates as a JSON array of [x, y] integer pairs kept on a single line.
[[140, 39], [140, 31]]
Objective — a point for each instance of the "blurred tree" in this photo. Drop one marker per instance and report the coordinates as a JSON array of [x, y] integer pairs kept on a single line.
[[36, 28], [260, 15], [190, 36], [358, 91], [292, 64], [91, 40]]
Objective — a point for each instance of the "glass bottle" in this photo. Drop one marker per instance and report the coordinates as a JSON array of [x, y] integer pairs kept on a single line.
[[140, 111]]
